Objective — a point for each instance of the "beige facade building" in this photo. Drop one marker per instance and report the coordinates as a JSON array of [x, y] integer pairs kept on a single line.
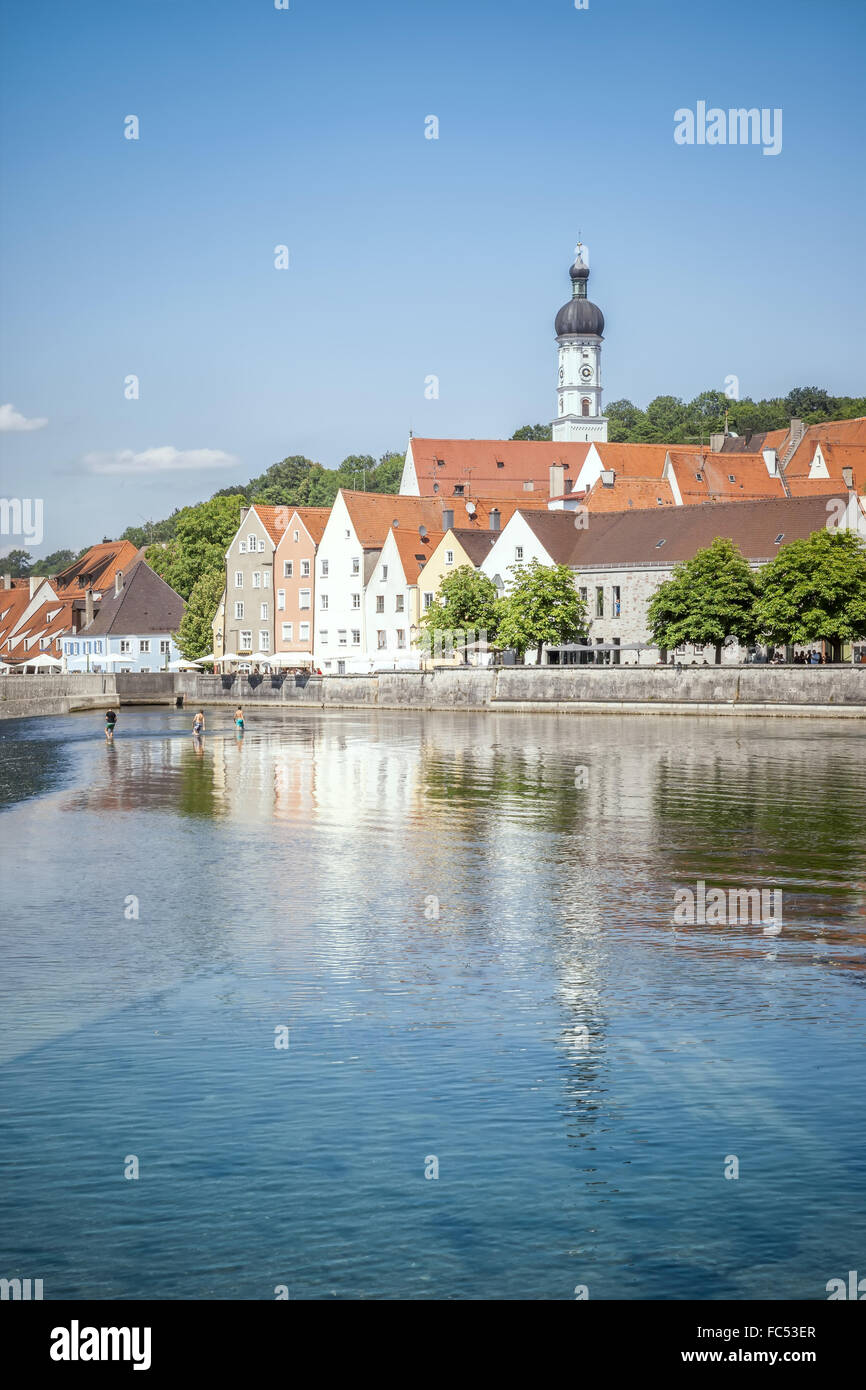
[[295, 573]]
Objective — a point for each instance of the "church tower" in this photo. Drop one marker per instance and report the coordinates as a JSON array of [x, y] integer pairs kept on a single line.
[[579, 328]]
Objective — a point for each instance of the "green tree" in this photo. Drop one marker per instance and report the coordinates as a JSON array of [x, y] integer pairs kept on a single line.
[[540, 433], [202, 536], [389, 472], [465, 603], [18, 563], [625, 422], [809, 400], [706, 415], [54, 563], [542, 606], [815, 591], [195, 634], [708, 598]]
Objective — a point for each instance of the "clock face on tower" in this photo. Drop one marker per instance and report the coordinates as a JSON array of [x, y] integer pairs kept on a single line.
[[586, 373]]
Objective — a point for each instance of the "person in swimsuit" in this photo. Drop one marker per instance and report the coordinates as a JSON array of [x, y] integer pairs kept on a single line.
[[198, 724], [110, 721], [239, 719]]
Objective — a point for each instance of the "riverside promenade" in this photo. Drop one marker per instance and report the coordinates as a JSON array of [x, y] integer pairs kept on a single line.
[[822, 691]]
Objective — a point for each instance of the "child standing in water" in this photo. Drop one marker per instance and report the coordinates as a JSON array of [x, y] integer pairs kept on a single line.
[[110, 721], [239, 720], [198, 724]]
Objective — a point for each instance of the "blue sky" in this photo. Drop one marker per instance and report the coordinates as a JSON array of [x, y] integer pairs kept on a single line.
[[408, 256]]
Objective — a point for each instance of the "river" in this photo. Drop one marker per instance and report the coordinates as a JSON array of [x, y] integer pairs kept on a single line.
[[372, 1005]]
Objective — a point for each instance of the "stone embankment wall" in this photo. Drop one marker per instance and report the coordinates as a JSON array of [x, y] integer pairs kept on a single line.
[[793, 690]]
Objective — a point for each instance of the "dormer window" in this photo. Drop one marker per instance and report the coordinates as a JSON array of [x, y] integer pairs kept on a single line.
[[731, 478], [700, 477], [458, 489], [779, 538], [499, 463], [659, 545], [440, 463]]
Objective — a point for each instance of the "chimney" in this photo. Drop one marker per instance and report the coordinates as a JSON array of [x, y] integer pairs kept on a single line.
[[35, 581], [771, 461], [118, 582], [608, 477], [717, 442], [447, 518], [7, 581], [848, 477], [494, 519], [557, 480], [88, 608]]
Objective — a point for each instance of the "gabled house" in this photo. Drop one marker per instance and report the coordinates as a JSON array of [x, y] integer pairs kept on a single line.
[[295, 580], [33, 619], [96, 569], [133, 630], [248, 625], [392, 602]]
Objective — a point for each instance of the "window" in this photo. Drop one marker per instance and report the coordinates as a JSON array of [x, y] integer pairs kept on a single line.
[[261, 545], [266, 579], [287, 569], [281, 600], [599, 602], [239, 579], [246, 642], [398, 603], [440, 463], [458, 489], [380, 603], [164, 646], [380, 640], [264, 640], [428, 601], [449, 557], [242, 547], [263, 612], [304, 632], [616, 601], [699, 647], [779, 538], [144, 646], [700, 477], [660, 502], [239, 610], [341, 637], [324, 569], [356, 637], [731, 478], [252, 544], [616, 656], [287, 632], [305, 569], [296, 537], [384, 574], [583, 593], [499, 463], [348, 534], [356, 600], [257, 579], [341, 668], [323, 601], [304, 598], [125, 646], [659, 545], [356, 565], [323, 636], [401, 637], [518, 552], [529, 487]]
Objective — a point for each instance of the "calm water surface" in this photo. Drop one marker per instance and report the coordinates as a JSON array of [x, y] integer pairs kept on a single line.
[[476, 961]]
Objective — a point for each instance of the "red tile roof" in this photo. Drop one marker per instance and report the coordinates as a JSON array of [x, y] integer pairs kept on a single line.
[[474, 464], [415, 551], [96, 568]]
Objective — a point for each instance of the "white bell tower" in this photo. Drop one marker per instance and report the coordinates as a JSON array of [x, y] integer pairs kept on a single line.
[[579, 329]]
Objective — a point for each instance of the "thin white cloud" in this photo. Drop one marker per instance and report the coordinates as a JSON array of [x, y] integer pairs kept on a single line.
[[12, 419], [164, 460]]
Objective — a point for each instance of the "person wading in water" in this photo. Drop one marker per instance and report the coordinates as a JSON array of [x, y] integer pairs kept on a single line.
[[110, 721]]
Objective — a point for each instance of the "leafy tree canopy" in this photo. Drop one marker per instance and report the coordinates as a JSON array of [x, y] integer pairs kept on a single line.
[[18, 563], [543, 606], [815, 590], [466, 602], [540, 433], [202, 536], [708, 598], [195, 634]]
